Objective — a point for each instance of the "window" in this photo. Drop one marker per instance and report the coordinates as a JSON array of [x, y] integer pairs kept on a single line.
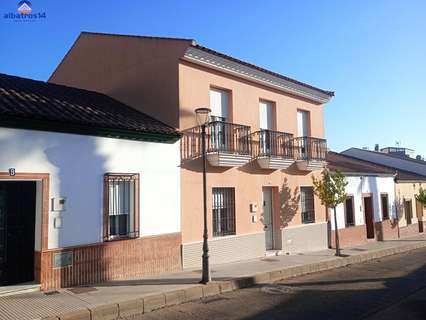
[[219, 101], [307, 204], [385, 206], [223, 212], [121, 216], [349, 212], [302, 123], [265, 115]]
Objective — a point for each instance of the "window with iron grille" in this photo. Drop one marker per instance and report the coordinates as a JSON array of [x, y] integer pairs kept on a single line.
[[307, 204], [385, 206], [349, 211], [223, 212], [121, 216]]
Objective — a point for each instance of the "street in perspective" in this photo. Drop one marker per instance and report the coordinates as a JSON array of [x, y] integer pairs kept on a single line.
[[225, 160], [387, 288]]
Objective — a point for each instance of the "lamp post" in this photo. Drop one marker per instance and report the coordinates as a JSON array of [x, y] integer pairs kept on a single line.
[[202, 116]]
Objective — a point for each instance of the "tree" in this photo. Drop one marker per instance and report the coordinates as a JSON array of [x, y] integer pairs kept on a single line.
[[421, 197], [331, 190]]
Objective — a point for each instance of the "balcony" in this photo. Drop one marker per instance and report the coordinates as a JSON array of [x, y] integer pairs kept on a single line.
[[227, 144], [273, 149], [310, 153]]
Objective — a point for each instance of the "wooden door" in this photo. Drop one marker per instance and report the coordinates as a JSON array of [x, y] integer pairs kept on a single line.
[[369, 217], [408, 211], [419, 211], [17, 231]]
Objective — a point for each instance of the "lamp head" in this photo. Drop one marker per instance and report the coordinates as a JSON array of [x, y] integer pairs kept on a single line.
[[202, 115]]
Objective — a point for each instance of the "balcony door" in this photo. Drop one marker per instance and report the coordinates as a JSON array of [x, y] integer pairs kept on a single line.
[[302, 123], [265, 125], [302, 131], [219, 105]]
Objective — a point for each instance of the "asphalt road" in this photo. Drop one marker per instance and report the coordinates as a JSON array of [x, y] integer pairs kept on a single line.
[[388, 288]]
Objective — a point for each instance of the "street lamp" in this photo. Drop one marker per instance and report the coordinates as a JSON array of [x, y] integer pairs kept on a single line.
[[202, 116]]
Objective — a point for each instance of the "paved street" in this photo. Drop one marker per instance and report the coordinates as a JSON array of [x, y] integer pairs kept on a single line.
[[388, 288]]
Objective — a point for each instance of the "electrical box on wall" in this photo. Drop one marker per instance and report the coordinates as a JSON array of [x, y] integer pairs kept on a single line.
[[58, 204], [253, 207]]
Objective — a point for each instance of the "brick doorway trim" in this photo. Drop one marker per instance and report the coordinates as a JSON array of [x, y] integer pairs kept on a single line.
[[44, 178]]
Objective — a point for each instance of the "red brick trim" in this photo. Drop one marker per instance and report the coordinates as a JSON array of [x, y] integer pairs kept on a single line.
[[386, 230], [114, 260], [351, 236]]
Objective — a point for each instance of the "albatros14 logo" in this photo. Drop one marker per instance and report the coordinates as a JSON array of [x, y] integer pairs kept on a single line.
[[25, 12]]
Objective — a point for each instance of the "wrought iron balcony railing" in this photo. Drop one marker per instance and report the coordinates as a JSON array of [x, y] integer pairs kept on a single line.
[[308, 148], [268, 143], [221, 137]]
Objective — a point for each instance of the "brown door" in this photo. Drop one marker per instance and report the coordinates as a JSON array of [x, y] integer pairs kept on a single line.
[[408, 211], [419, 211], [17, 231], [368, 213]]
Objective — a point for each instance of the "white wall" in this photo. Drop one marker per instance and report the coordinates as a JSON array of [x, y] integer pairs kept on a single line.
[[76, 165], [368, 184]]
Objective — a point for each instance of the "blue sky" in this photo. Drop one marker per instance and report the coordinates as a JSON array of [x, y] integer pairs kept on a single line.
[[371, 53]]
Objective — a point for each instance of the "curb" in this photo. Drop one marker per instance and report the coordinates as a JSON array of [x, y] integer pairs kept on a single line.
[[153, 302]]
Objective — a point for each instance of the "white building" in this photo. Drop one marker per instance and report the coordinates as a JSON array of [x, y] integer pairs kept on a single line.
[[89, 187], [369, 211]]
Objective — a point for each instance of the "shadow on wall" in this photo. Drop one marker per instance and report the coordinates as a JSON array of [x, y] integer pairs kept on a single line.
[[80, 179], [289, 203]]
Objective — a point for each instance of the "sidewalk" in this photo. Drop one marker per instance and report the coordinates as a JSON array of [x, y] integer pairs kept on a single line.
[[108, 300]]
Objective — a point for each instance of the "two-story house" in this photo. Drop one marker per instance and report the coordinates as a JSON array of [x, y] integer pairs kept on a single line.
[[264, 142]]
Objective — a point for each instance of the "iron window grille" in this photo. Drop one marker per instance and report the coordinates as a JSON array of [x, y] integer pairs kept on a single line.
[[307, 204], [223, 212], [385, 206], [349, 212], [121, 217]]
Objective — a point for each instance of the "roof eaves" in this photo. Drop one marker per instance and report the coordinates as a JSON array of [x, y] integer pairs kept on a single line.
[[250, 65], [73, 128]]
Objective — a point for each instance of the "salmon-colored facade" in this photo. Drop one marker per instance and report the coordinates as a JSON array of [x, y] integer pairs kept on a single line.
[[194, 84], [169, 79]]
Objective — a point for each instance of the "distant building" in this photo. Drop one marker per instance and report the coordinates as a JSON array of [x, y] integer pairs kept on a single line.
[[398, 151]]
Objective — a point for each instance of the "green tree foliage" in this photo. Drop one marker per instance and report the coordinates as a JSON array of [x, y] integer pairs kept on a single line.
[[331, 191], [421, 197]]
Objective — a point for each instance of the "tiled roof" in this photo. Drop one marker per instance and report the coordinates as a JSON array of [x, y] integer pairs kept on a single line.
[[25, 100], [402, 164], [347, 164]]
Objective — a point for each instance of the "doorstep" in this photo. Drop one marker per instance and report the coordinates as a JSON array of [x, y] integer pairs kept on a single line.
[[21, 288]]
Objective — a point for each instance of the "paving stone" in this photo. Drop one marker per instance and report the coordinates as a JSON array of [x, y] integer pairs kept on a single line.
[[193, 293], [104, 312], [175, 297], [83, 314], [210, 289], [154, 302], [130, 308], [225, 286], [262, 277]]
